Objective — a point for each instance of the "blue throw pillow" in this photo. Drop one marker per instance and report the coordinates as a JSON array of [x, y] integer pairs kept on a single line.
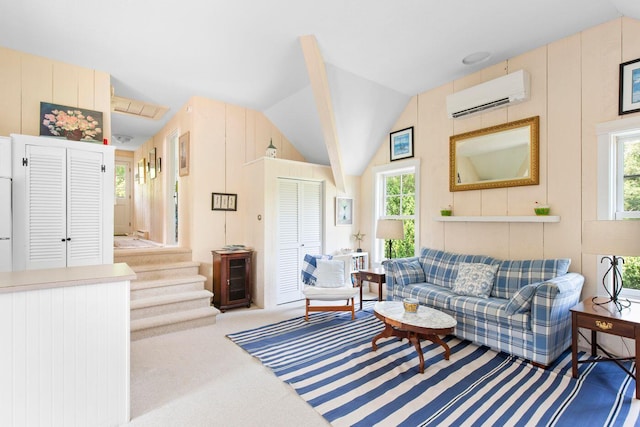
[[474, 279], [521, 301], [409, 272]]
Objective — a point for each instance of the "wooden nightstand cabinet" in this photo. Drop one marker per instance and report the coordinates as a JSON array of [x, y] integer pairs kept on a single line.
[[231, 279], [605, 319]]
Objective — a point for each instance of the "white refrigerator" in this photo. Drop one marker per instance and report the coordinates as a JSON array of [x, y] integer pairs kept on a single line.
[[5, 224]]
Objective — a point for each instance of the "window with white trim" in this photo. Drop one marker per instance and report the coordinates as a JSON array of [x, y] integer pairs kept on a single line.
[[619, 186], [397, 196]]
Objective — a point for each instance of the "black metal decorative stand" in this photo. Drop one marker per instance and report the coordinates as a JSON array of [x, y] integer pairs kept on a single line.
[[617, 284]]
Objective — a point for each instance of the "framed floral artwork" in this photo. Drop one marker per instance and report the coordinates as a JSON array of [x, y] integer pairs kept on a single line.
[[77, 124]]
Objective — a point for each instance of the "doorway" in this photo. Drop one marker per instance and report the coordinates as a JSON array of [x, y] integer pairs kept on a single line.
[[122, 206], [171, 161]]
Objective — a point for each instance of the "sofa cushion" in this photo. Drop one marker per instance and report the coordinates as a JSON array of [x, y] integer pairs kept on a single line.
[[430, 295], [514, 274], [409, 272], [441, 268], [490, 310], [474, 279], [520, 302]]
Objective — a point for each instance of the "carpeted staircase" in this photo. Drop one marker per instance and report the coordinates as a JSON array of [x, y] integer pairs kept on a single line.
[[168, 294]]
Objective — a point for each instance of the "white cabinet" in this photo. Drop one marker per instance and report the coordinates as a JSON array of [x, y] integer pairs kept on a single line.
[[63, 203]]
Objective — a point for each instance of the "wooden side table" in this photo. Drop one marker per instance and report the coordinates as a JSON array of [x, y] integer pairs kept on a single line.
[[606, 319], [374, 275]]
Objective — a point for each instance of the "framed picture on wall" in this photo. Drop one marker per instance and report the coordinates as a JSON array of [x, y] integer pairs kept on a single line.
[[344, 211], [76, 124], [183, 154], [224, 202], [152, 164], [629, 101], [142, 170], [401, 144]]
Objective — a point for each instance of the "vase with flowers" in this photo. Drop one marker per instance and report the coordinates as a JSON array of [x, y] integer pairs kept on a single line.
[[72, 124]]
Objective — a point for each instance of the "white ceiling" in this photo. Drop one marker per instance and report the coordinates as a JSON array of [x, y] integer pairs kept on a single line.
[[378, 53]]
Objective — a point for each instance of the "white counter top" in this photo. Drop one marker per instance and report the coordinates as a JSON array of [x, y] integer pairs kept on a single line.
[[28, 280]]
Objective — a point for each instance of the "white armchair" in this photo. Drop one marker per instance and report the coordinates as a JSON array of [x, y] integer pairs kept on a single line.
[[328, 278]]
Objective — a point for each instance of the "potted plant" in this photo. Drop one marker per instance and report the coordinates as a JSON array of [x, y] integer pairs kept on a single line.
[[446, 211], [541, 209]]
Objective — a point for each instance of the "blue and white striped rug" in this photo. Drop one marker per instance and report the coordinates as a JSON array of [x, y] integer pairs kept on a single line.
[[330, 364]]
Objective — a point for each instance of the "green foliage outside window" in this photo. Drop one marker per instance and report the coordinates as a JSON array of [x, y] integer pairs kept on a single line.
[[631, 190], [120, 184], [400, 202]]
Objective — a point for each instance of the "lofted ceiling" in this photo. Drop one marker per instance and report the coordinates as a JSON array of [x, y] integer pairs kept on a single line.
[[378, 54]]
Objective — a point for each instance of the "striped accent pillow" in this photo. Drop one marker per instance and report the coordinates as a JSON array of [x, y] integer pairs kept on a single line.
[[521, 301], [409, 272], [514, 274]]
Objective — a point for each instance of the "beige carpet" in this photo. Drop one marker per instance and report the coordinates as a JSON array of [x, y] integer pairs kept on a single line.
[[133, 242], [199, 377]]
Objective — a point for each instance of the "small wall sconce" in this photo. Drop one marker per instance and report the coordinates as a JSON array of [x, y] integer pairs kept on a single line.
[[272, 151]]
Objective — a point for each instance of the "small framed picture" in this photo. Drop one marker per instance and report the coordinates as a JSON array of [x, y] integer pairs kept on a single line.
[[183, 154], [401, 144], [224, 202], [629, 101], [152, 164], [344, 211], [142, 171]]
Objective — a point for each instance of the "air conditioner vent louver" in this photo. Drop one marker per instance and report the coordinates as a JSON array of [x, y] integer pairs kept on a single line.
[[483, 107], [501, 92]]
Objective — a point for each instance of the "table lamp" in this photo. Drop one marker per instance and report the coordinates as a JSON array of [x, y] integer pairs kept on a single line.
[[390, 229], [612, 237]]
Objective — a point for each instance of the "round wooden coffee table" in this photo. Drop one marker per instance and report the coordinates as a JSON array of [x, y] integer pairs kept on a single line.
[[427, 323]]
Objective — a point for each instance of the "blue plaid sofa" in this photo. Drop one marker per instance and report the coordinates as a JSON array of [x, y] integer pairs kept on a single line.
[[526, 313]]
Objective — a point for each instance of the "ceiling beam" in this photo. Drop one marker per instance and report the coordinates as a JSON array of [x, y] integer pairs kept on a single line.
[[321, 93]]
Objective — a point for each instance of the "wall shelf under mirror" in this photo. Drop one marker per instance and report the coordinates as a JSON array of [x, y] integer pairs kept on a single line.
[[498, 218]]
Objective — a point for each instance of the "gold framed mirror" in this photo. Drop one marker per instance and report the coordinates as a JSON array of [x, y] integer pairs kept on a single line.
[[500, 156]]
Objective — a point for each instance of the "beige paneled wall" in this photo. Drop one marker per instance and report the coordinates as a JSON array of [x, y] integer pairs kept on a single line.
[[223, 137], [574, 86], [26, 80]]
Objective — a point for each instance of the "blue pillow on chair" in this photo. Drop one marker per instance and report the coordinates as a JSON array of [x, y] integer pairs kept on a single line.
[[309, 266]]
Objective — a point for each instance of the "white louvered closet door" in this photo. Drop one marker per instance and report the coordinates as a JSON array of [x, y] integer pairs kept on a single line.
[[299, 232], [84, 207], [46, 228], [64, 207]]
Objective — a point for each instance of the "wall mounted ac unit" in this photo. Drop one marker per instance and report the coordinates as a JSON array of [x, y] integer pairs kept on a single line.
[[501, 92]]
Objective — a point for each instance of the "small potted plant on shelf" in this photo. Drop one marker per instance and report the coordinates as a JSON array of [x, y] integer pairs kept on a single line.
[[541, 209], [359, 236], [446, 211]]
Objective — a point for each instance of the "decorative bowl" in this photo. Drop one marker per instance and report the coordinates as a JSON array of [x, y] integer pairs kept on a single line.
[[542, 210], [410, 305]]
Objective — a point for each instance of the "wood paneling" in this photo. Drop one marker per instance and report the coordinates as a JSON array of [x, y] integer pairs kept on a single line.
[[11, 90], [64, 359]]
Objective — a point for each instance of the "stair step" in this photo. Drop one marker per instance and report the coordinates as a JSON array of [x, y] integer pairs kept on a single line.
[[151, 255], [170, 303], [156, 325], [149, 288], [166, 270]]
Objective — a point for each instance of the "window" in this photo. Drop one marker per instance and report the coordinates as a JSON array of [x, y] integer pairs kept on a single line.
[[121, 181], [397, 197], [619, 187]]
